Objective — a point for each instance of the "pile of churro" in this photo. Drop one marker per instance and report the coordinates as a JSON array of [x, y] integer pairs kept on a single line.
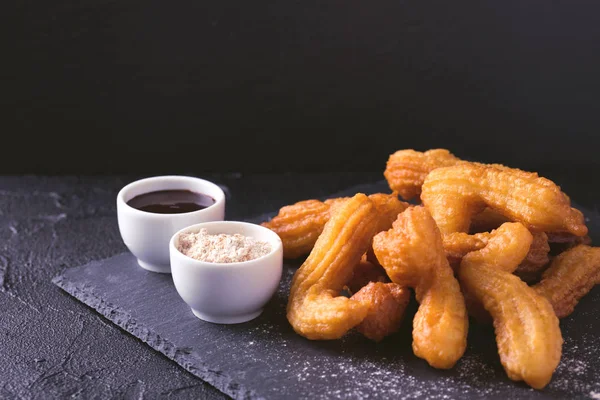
[[482, 241]]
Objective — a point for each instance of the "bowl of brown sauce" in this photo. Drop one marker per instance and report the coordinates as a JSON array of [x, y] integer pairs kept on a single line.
[[151, 210]]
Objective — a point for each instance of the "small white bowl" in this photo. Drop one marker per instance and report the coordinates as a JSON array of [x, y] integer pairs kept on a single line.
[[228, 293], [147, 234]]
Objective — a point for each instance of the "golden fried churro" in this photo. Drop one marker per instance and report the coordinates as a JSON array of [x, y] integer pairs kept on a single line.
[[454, 195], [387, 303], [365, 272], [571, 276], [509, 239], [388, 207], [527, 330], [315, 308], [538, 258], [530, 270], [406, 169], [487, 221], [544, 243], [413, 255], [300, 224], [458, 244]]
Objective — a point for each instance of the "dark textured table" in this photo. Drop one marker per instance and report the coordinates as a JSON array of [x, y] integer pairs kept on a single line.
[[53, 346]]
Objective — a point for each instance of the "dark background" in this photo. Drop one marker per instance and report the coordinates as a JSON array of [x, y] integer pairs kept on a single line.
[[150, 86]]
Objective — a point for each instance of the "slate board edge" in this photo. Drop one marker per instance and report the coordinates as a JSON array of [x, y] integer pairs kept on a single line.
[[123, 319]]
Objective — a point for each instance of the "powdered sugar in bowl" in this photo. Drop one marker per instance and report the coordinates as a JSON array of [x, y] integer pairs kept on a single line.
[[226, 271]]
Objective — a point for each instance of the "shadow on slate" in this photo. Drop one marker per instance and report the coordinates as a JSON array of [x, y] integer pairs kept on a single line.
[[264, 358]]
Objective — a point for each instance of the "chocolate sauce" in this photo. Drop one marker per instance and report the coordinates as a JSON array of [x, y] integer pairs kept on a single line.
[[171, 201]]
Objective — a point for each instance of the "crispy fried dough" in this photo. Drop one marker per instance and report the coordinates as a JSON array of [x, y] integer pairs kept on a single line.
[[315, 308], [458, 244], [413, 255], [365, 272], [537, 260], [510, 239], [388, 207], [487, 221], [387, 303], [527, 330], [571, 276], [300, 224], [454, 195], [406, 169]]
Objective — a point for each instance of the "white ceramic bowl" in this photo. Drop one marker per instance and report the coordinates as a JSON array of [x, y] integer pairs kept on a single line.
[[147, 234], [228, 293]]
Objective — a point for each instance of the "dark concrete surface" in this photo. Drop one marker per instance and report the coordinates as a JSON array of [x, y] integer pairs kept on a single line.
[[52, 346]]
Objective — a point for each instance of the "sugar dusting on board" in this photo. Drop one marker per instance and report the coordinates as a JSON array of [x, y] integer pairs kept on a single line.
[[382, 371], [575, 373], [360, 375]]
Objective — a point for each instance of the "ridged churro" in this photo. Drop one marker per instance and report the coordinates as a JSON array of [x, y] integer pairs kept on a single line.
[[412, 254], [571, 276], [316, 310], [387, 303], [527, 330], [454, 195], [300, 224], [406, 169]]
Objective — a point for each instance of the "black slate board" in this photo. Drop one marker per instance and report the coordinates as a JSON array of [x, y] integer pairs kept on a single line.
[[264, 358]]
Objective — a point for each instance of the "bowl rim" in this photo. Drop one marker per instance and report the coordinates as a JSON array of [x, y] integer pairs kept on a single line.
[[181, 178], [276, 245]]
